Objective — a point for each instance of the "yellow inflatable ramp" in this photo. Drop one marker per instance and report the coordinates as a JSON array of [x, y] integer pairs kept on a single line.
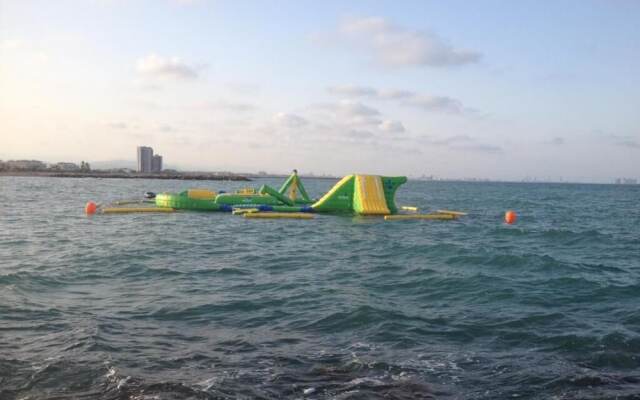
[[278, 215], [369, 196], [400, 217], [125, 210]]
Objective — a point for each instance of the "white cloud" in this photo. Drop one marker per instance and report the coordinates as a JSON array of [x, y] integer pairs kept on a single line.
[[355, 113], [166, 68], [395, 94], [406, 98], [462, 143], [348, 112], [437, 103], [391, 126], [353, 91], [355, 109], [289, 120], [395, 46]]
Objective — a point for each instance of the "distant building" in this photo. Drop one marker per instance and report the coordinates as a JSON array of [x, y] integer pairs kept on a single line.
[[65, 166], [145, 159], [626, 181], [25, 165], [156, 163]]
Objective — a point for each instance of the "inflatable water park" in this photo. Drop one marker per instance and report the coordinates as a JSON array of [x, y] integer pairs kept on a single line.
[[356, 194]]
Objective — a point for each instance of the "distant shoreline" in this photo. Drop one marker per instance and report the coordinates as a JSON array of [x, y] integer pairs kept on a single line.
[[196, 176]]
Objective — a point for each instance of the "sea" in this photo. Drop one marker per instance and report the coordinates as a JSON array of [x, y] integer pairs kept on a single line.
[[196, 305]]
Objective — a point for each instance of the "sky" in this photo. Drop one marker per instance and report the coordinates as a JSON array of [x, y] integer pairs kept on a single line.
[[455, 89]]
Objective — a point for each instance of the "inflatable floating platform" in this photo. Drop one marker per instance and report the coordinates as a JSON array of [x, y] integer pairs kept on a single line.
[[369, 195]]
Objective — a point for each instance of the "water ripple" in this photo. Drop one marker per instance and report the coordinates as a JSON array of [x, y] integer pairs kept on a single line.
[[212, 306]]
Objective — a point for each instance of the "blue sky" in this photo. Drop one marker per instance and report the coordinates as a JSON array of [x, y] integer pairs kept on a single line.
[[452, 89]]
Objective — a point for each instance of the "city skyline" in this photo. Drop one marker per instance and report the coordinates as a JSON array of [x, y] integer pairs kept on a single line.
[[483, 90]]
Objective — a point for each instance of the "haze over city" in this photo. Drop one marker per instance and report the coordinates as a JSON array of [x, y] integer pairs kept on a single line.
[[496, 90]]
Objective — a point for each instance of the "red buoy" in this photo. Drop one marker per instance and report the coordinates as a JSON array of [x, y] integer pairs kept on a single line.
[[510, 217], [90, 208]]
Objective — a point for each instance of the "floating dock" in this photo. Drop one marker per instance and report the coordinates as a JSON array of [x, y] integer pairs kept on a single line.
[[127, 210]]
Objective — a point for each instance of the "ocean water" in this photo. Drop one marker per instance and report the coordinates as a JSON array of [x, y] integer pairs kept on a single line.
[[213, 306]]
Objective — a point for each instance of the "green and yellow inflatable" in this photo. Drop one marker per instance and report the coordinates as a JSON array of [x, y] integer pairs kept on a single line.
[[360, 194]]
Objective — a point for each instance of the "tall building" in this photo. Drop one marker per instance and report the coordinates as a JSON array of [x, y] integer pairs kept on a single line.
[[145, 158], [156, 163]]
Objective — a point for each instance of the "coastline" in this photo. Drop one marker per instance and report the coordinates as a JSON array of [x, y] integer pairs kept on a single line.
[[197, 176]]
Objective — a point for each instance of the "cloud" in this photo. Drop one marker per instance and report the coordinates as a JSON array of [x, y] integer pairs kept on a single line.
[[462, 143], [437, 103], [344, 121], [395, 46], [166, 68], [395, 94], [355, 113], [289, 120], [405, 97], [557, 141], [348, 112], [353, 91], [391, 126], [355, 109]]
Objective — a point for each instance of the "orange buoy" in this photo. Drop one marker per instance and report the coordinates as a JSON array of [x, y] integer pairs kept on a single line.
[[90, 208], [510, 217]]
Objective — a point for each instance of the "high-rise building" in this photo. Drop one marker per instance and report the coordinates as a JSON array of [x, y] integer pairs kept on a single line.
[[145, 158], [156, 163]]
